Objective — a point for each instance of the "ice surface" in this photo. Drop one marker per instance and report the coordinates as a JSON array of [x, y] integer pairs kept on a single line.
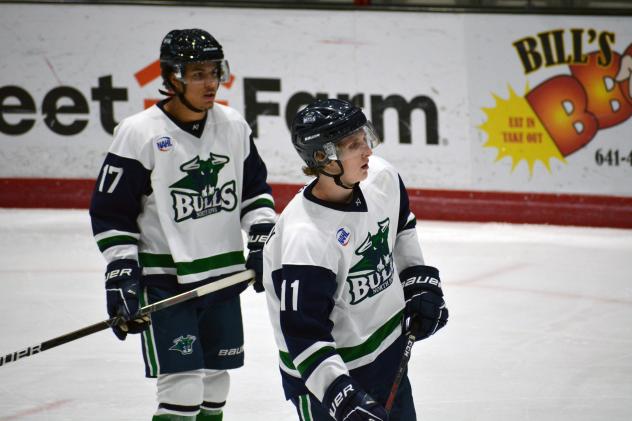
[[540, 328]]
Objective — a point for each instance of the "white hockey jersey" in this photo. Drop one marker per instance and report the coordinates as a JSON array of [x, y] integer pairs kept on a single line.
[[177, 202], [331, 278]]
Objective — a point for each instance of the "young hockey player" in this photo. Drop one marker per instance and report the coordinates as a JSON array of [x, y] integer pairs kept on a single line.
[[180, 182], [343, 269]]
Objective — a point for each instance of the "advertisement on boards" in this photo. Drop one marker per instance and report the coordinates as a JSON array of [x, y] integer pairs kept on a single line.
[[68, 79], [552, 104], [467, 104]]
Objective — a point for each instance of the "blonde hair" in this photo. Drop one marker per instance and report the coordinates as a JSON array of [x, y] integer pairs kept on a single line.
[[311, 172], [319, 157]]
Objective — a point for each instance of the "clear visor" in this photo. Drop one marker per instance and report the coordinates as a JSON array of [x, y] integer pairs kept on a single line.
[[204, 71], [354, 144]]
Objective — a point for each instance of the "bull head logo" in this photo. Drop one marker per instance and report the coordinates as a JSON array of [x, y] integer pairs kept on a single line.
[[183, 344]]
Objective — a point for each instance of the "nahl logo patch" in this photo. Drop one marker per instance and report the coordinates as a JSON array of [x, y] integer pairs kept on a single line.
[[164, 144], [197, 194], [374, 272], [183, 344], [343, 235]]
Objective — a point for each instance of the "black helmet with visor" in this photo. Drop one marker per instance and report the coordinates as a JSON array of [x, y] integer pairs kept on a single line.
[[184, 46], [319, 129]]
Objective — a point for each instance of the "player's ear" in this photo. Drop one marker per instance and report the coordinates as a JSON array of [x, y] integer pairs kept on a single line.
[[320, 156], [175, 82]]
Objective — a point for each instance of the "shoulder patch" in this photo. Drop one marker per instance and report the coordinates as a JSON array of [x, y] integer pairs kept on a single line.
[[165, 144], [343, 235]]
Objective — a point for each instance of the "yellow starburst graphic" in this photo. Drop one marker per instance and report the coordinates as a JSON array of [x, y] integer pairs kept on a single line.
[[515, 130]]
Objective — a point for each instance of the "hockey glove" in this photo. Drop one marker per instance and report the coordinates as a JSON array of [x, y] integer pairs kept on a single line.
[[424, 300], [345, 400], [122, 280], [256, 240]]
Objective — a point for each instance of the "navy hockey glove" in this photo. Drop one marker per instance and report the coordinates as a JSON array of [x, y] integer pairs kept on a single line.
[[424, 300], [122, 289], [256, 240], [345, 400]]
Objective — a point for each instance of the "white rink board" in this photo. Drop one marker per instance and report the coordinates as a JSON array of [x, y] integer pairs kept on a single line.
[[456, 62]]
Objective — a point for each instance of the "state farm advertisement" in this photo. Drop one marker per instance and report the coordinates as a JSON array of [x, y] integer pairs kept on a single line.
[[513, 103]]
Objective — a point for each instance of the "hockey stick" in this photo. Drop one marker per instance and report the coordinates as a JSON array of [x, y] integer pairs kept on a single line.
[[105, 324], [410, 341]]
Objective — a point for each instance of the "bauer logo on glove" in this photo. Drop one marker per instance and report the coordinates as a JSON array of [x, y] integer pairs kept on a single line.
[[430, 280], [424, 300], [122, 285], [118, 272]]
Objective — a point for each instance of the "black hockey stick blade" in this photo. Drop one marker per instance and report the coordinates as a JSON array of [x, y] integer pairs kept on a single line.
[[105, 324], [401, 370]]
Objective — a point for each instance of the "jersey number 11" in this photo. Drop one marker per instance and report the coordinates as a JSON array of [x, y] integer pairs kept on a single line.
[[294, 286]]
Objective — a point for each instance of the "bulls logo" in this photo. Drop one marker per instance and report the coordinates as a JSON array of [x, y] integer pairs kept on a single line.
[[183, 344], [374, 272], [197, 195]]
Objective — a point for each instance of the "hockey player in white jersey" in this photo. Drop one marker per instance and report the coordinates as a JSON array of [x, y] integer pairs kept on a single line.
[[179, 183], [343, 269]]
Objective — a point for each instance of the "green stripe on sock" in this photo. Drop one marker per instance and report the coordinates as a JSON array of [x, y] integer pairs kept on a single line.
[[173, 417], [206, 415]]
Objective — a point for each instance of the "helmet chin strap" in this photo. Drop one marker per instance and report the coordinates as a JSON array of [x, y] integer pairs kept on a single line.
[[336, 177], [186, 102], [182, 98]]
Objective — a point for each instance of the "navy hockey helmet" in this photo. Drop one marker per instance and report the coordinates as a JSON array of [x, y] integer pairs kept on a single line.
[[319, 127], [182, 46]]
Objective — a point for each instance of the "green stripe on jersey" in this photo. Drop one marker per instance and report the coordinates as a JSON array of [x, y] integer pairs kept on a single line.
[[117, 240], [286, 359], [349, 353], [150, 260], [354, 352], [259, 203], [188, 268], [302, 367], [410, 224]]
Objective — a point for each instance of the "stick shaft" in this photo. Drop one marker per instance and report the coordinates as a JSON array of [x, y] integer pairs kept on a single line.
[[401, 370], [105, 324], [200, 291]]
